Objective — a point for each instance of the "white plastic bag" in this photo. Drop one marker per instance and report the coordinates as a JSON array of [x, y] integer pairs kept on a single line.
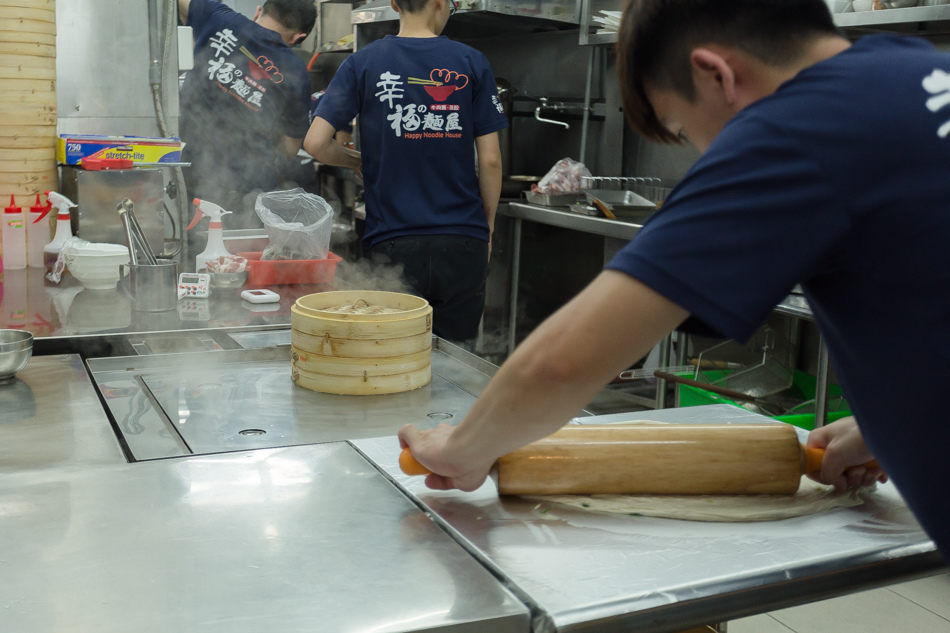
[[298, 224], [564, 177]]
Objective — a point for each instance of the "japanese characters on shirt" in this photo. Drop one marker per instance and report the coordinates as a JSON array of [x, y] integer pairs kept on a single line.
[[413, 121], [245, 86], [937, 83]]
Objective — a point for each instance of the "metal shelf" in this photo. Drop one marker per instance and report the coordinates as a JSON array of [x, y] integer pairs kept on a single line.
[[893, 19]]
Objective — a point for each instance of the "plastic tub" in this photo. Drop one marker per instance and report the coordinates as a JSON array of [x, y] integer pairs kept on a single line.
[[290, 271], [804, 386]]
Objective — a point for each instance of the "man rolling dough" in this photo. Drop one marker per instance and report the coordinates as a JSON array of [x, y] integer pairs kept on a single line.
[[814, 171]]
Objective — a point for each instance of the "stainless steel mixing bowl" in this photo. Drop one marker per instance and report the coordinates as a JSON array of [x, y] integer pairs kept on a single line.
[[16, 348]]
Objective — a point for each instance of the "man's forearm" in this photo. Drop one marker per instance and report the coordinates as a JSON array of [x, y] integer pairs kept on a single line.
[[556, 371]]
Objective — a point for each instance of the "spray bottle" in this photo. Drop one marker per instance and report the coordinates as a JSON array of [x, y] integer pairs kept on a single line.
[[63, 229], [37, 233], [14, 236], [215, 247]]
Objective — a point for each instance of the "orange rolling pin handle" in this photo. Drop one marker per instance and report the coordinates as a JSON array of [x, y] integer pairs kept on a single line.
[[814, 457], [410, 466]]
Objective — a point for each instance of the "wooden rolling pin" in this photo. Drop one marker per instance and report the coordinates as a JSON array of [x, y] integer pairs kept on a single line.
[[660, 459]]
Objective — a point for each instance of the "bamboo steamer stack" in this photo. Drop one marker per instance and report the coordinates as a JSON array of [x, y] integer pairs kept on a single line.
[[28, 99], [358, 342]]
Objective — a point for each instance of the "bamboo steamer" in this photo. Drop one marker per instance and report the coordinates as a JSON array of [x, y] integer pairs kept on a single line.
[[27, 142], [28, 116], [356, 348], [41, 27], [347, 386], [47, 13], [361, 354], [28, 38], [32, 49]]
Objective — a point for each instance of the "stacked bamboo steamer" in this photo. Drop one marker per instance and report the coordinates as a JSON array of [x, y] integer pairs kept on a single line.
[[363, 351], [28, 99]]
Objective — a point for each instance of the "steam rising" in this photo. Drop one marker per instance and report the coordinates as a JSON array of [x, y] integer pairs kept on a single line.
[[364, 274]]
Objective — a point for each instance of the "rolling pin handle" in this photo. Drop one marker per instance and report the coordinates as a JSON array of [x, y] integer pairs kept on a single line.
[[814, 457], [410, 465]]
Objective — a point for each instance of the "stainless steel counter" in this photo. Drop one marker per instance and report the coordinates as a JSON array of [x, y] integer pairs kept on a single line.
[[50, 418], [306, 538], [567, 219], [67, 317], [582, 571]]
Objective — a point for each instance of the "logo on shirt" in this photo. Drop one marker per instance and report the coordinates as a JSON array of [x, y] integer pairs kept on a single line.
[[441, 83], [418, 120], [243, 86], [937, 83]]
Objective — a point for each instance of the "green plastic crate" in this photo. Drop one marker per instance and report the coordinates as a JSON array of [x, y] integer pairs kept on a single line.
[[803, 386]]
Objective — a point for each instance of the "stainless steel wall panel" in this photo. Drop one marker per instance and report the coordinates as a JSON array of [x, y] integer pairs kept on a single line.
[[102, 65]]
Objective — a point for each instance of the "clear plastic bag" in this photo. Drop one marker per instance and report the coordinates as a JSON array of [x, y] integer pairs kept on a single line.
[[298, 224], [564, 177]]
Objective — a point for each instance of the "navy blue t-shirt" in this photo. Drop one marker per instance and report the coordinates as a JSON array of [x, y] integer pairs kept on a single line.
[[840, 180], [421, 102], [247, 89]]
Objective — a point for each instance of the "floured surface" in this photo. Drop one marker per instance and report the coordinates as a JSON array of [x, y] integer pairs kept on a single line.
[[811, 498]]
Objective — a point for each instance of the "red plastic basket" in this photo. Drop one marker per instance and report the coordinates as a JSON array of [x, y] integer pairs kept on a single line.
[[290, 271]]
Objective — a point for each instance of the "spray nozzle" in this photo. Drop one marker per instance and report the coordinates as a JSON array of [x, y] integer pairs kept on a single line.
[[42, 209], [61, 202], [204, 208]]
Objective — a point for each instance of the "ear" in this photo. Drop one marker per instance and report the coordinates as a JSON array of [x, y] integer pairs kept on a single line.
[[713, 72], [257, 13], [394, 6], [297, 38]]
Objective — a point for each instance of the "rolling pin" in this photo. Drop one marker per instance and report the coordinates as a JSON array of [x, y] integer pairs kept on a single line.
[[655, 459]]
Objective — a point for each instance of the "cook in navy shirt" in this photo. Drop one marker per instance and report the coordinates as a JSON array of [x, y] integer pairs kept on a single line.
[[423, 102], [246, 102]]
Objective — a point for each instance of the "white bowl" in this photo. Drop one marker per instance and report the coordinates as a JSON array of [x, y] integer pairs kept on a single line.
[[96, 266]]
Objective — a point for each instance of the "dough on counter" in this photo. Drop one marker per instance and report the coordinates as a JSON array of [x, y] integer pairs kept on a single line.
[[811, 498]]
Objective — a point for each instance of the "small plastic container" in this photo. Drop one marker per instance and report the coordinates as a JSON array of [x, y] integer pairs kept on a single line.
[[14, 236], [279, 272]]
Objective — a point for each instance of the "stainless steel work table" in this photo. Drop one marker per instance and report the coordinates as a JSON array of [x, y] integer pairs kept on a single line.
[[582, 571], [303, 538]]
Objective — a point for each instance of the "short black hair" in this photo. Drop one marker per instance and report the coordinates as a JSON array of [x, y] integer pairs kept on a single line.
[[412, 6], [656, 37], [296, 15]]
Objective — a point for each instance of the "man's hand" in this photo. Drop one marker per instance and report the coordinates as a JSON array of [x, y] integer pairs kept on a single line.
[[845, 456], [448, 472]]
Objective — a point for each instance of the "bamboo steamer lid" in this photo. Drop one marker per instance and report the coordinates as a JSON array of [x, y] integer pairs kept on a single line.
[[30, 85], [31, 4], [28, 99], [24, 166], [18, 37], [25, 191], [27, 130], [19, 25], [31, 61], [409, 306], [26, 72], [364, 385], [44, 180], [32, 49], [27, 142], [45, 13], [33, 153], [27, 117], [323, 327], [357, 348]]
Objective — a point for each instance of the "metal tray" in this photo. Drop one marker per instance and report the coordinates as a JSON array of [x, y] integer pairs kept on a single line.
[[623, 202], [559, 200]]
